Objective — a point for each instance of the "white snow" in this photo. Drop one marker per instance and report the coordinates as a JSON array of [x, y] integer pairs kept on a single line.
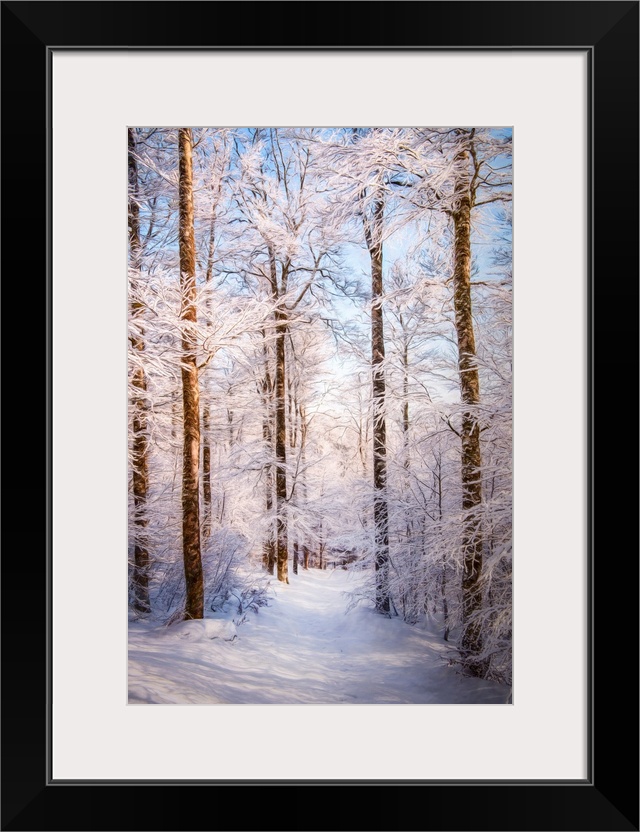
[[201, 630], [303, 648]]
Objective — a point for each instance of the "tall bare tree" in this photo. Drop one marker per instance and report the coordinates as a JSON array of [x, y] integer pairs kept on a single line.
[[206, 413], [266, 394], [373, 235], [470, 429], [194, 607], [458, 173], [218, 167], [140, 465], [276, 204], [278, 291]]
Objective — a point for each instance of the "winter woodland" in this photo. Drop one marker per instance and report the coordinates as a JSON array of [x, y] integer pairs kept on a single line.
[[320, 417]]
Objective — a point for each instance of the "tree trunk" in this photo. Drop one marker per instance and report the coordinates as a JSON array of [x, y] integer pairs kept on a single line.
[[405, 397], [175, 416], [281, 453], [140, 464], [406, 462], [303, 477], [443, 583], [294, 435], [194, 607], [206, 471], [268, 547], [281, 424], [470, 433], [206, 415], [380, 508]]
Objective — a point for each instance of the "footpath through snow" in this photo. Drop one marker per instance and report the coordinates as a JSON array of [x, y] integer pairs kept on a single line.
[[303, 648]]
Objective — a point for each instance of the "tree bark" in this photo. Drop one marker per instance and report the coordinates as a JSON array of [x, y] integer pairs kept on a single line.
[[206, 471], [140, 450], [282, 555], [471, 641], [303, 478], [405, 396], [380, 508], [443, 583], [406, 462], [194, 607], [281, 453], [268, 546], [206, 414], [296, 435]]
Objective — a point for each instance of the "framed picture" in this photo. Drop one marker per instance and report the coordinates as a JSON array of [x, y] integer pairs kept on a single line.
[[564, 77]]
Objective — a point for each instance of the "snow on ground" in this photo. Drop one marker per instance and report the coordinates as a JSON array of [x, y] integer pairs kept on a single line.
[[303, 648]]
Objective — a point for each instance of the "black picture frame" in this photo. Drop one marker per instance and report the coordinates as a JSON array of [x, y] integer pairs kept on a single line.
[[608, 798]]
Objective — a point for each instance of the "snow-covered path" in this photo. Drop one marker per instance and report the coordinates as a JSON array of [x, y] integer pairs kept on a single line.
[[303, 648]]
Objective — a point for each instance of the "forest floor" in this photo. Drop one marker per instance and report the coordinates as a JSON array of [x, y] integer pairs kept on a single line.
[[305, 647]]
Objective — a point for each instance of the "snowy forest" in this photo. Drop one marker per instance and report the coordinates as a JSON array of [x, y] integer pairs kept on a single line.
[[320, 414]]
